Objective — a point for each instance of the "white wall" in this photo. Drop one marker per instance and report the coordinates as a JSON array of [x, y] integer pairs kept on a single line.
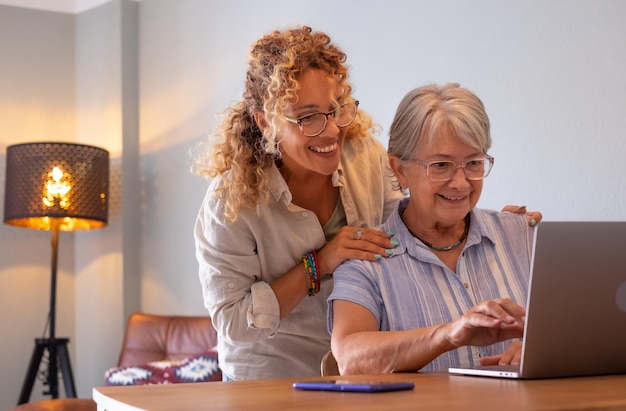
[[64, 83], [99, 263], [550, 74], [36, 103]]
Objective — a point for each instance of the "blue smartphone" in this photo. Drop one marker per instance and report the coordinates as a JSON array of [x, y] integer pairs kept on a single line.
[[353, 386]]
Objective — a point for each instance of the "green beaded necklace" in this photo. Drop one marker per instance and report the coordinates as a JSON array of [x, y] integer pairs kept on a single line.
[[450, 247]]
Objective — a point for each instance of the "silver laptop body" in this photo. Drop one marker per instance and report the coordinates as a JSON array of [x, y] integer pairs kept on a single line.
[[576, 307]]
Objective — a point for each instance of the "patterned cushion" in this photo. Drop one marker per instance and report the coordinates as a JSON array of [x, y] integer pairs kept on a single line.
[[198, 368]]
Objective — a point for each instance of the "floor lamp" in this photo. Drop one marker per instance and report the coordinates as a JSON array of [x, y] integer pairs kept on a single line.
[[55, 187]]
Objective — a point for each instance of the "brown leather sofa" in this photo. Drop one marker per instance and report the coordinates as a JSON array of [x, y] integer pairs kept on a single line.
[[148, 338]]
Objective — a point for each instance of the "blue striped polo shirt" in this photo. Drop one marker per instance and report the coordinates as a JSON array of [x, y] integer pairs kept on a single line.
[[414, 289]]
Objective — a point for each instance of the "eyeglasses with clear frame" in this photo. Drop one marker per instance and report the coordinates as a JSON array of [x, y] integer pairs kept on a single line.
[[312, 125], [444, 170]]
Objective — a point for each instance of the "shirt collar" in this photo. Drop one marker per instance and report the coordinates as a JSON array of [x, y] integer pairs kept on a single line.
[[279, 189], [415, 247]]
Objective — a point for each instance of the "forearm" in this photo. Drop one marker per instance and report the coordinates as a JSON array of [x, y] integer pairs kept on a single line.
[[291, 288], [372, 352]]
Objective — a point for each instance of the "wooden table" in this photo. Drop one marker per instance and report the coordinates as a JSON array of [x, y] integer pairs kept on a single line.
[[433, 391]]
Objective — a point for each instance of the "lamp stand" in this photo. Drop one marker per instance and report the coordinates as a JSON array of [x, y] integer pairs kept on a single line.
[[57, 347]]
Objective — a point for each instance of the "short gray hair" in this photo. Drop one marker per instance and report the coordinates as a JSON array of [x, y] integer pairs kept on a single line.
[[428, 110]]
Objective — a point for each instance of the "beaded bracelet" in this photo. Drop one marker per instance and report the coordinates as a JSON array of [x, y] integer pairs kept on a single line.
[[310, 265]]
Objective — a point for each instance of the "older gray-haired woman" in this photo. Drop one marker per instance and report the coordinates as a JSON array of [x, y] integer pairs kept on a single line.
[[452, 292]]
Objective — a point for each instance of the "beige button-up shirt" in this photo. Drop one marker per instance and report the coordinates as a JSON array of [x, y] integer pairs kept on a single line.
[[238, 261]]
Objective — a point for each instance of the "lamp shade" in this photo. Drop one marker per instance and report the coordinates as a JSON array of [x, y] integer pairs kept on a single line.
[[59, 186]]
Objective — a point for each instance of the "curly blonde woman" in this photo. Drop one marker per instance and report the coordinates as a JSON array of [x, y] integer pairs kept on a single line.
[[296, 181]]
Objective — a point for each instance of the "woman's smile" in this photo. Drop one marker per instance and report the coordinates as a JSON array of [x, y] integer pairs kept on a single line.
[[324, 149], [455, 199]]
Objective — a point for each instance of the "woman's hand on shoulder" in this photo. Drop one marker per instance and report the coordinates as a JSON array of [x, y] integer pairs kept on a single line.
[[355, 243], [534, 217]]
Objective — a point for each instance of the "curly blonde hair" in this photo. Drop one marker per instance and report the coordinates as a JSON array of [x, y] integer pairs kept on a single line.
[[241, 154]]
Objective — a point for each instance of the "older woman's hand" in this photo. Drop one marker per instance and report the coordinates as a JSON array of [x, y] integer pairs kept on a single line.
[[512, 355], [534, 217], [489, 322]]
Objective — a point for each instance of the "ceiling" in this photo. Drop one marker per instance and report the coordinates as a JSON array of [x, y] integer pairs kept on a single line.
[[63, 6]]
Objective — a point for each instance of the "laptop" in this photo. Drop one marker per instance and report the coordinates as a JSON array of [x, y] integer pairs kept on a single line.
[[576, 307]]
